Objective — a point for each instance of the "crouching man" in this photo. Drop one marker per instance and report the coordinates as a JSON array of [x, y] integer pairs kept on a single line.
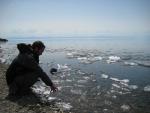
[[24, 70]]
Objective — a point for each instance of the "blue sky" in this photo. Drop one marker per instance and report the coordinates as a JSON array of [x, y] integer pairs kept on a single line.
[[74, 17]]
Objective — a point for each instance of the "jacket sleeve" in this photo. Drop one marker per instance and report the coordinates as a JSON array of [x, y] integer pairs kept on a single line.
[[28, 62]]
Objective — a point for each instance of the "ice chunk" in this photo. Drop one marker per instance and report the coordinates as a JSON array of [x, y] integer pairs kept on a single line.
[[64, 106], [143, 63], [98, 87], [80, 72], [133, 86], [94, 59], [70, 55], [82, 58], [77, 85], [112, 59], [115, 85], [130, 63], [105, 110], [114, 96], [56, 81], [117, 80], [104, 76], [50, 99], [78, 92], [46, 92], [107, 102], [125, 107], [75, 54], [114, 79], [86, 78], [82, 81], [68, 80], [2, 60], [125, 80], [90, 59], [64, 67], [147, 88]]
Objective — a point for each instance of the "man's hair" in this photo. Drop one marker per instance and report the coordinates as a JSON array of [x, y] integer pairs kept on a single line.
[[38, 44]]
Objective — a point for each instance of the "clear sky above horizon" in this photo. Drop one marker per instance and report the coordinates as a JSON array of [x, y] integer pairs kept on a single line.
[[74, 17]]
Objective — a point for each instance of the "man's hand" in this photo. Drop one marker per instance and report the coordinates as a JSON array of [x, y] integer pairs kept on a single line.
[[54, 88]]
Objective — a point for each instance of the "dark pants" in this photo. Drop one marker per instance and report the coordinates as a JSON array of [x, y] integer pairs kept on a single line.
[[21, 84]]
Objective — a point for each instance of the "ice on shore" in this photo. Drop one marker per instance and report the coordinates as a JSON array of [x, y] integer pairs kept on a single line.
[[2, 60], [147, 88], [64, 106], [112, 59], [38, 89], [51, 99]]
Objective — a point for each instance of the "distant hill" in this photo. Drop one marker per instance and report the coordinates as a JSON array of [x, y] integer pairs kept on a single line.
[[3, 40]]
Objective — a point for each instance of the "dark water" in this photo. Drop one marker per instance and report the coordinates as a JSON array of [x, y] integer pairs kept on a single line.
[[96, 74]]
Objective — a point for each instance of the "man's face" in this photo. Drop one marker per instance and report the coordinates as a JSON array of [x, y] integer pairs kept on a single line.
[[39, 51]]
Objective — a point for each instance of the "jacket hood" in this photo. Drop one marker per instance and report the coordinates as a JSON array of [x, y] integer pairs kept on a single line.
[[24, 48]]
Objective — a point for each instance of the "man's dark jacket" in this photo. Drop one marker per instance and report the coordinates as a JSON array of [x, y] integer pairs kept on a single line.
[[26, 62]]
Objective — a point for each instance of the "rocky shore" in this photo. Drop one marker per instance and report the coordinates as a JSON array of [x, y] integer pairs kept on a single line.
[[26, 104]]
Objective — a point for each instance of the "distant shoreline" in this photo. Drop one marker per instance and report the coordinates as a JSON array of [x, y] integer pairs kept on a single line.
[[3, 40]]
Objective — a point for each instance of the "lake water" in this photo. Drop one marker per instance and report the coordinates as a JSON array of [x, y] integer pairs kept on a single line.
[[95, 74]]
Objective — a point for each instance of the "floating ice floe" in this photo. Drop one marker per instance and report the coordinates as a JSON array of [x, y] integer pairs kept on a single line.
[[104, 76], [77, 85], [75, 55], [130, 63], [114, 96], [112, 59], [2, 60], [125, 107], [147, 88], [68, 80], [117, 80], [115, 85], [88, 60], [64, 106], [107, 102], [80, 72], [98, 87], [86, 78], [133, 86], [143, 63]]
